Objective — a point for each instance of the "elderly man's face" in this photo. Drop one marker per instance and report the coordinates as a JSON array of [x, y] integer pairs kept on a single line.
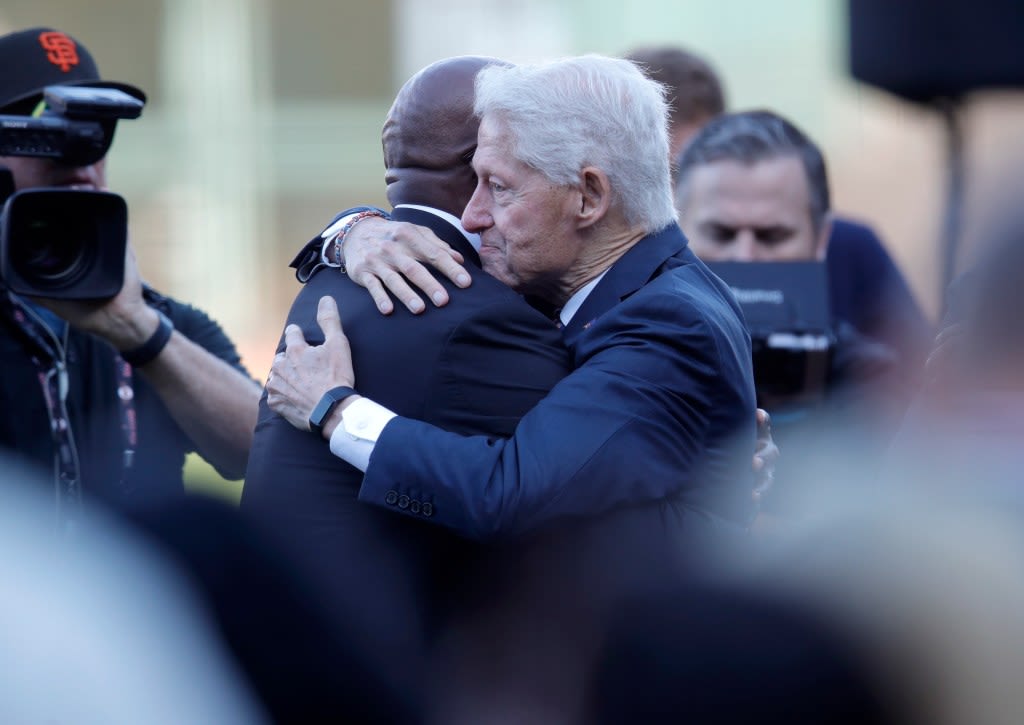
[[735, 212], [526, 223]]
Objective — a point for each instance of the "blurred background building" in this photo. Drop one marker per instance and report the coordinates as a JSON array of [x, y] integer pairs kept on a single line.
[[264, 118]]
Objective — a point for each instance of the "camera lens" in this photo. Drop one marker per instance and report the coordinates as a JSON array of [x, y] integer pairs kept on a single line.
[[48, 255]]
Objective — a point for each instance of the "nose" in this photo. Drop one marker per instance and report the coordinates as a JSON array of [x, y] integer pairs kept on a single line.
[[745, 247], [475, 217]]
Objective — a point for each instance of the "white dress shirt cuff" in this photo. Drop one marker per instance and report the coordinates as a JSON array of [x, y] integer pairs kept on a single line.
[[361, 426]]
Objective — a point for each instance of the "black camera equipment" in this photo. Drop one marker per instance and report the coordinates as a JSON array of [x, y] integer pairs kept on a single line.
[[76, 128], [786, 308], [64, 243]]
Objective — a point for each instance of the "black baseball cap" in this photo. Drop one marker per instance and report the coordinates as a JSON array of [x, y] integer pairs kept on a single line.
[[35, 58]]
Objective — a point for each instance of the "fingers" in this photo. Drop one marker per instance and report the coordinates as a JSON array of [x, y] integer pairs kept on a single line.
[[421, 277], [293, 339], [335, 343], [766, 453], [273, 379], [328, 318], [396, 258], [448, 262], [381, 298], [396, 284]]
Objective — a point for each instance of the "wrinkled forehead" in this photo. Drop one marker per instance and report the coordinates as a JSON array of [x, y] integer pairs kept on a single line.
[[494, 142], [494, 131], [772, 190]]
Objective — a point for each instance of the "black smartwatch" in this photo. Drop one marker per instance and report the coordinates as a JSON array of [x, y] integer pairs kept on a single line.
[[327, 403]]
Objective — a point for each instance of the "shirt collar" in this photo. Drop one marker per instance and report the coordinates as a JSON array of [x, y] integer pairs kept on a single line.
[[473, 239], [579, 297]]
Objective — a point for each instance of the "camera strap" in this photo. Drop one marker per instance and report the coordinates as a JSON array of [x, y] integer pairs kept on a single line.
[[129, 422], [48, 356]]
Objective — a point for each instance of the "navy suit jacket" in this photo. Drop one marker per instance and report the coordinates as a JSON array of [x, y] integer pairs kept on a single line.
[[474, 366], [660, 406]]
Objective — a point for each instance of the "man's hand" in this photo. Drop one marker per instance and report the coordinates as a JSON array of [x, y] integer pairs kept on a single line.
[[302, 373], [766, 453], [384, 256], [125, 320]]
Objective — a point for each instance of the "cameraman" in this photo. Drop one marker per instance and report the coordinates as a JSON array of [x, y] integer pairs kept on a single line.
[[70, 402], [751, 187]]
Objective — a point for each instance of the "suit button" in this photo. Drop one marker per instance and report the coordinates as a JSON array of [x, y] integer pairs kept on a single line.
[[428, 509], [391, 498], [403, 501], [414, 506]]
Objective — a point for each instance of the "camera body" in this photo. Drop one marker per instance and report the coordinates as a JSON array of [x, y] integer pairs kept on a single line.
[[787, 312], [62, 243]]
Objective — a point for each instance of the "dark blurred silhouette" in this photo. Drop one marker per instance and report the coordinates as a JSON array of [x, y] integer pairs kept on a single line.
[[966, 424], [100, 625], [296, 639], [730, 654]]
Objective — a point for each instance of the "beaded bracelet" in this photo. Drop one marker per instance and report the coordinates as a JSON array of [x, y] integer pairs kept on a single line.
[[339, 238]]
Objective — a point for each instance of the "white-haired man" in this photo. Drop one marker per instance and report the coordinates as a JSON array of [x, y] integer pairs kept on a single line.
[[574, 208]]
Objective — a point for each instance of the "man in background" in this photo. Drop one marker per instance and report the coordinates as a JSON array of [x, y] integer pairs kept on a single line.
[[865, 286], [751, 187], [692, 88], [108, 395]]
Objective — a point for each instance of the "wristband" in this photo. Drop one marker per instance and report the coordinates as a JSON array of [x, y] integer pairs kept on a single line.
[[151, 347], [327, 404], [339, 238]]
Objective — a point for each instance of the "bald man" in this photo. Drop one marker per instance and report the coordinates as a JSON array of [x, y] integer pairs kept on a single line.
[[474, 366]]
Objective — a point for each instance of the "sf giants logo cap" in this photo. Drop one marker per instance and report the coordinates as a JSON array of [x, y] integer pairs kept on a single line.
[[60, 49], [38, 57]]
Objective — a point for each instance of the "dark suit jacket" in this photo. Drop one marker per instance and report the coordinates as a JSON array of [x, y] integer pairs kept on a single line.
[[660, 405], [474, 366]]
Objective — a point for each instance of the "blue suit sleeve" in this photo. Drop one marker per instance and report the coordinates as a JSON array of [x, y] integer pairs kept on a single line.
[[634, 423]]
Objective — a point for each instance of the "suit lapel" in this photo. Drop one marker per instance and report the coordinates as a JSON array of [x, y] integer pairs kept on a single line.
[[631, 272]]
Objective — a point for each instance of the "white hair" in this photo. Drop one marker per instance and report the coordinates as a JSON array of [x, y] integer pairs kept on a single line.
[[565, 115]]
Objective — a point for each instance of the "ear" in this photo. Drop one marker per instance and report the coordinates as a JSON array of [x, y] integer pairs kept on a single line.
[[821, 243], [596, 197]]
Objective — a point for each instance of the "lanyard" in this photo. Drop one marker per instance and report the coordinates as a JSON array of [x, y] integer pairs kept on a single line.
[[49, 357]]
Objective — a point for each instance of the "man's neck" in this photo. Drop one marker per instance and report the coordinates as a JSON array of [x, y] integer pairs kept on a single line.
[[597, 257]]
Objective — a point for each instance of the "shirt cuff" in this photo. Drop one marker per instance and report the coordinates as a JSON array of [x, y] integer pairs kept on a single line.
[[361, 425], [330, 233]]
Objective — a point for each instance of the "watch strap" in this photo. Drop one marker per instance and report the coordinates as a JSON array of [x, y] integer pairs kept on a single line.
[[326, 405], [152, 347]]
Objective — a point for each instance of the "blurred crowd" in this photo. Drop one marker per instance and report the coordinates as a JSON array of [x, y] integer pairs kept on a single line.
[[871, 573]]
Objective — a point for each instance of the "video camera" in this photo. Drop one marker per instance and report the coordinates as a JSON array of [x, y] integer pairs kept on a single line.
[[787, 311], [64, 243]]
